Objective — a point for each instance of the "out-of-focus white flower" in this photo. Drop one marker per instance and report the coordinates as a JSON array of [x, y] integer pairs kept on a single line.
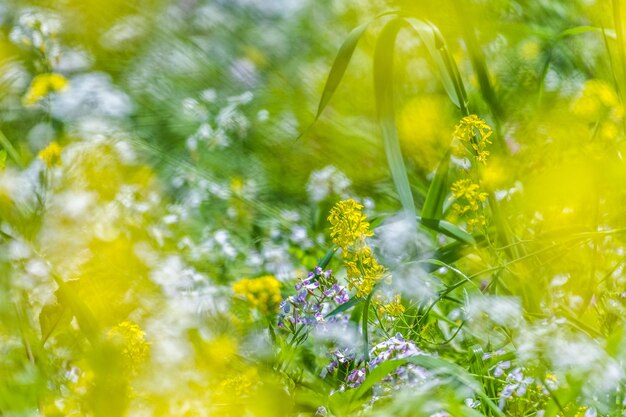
[[91, 94], [326, 182]]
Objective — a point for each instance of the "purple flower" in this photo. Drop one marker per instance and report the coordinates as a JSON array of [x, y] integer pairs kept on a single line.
[[321, 411], [356, 377], [302, 296], [342, 297], [317, 295]]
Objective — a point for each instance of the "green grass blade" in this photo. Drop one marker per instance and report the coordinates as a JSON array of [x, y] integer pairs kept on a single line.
[[345, 306], [579, 30], [383, 87], [448, 229], [85, 318], [437, 192], [8, 147], [339, 66], [327, 257], [619, 32], [434, 365], [427, 34], [364, 327]]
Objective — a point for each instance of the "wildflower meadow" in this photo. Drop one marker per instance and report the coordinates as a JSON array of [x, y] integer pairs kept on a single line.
[[245, 208]]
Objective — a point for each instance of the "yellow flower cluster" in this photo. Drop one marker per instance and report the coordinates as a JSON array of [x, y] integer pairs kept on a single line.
[[349, 229], [51, 155], [240, 385], [133, 339], [348, 223], [469, 199], [599, 104], [469, 193], [42, 85], [262, 293], [475, 132], [393, 309]]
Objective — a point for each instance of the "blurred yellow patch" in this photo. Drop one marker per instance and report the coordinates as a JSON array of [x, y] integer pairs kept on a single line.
[[564, 193], [240, 384], [424, 127], [221, 351], [51, 155], [42, 85], [262, 293], [493, 175], [597, 100], [135, 347], [530, 50]]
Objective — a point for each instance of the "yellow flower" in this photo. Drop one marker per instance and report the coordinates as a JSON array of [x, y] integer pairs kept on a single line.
[[348, 223], [42, 85], [475, 132], [470, 192], [363, 271], [469, 199], [262, 293], [133, 339], [476, 222], [51, 155], [393, 308], [349, 228]]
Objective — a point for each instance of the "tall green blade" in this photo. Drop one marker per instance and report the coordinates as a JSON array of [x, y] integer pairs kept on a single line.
[[10, 150], [428, 36], [436, 366], [437, 192], [383, 88], [339, 66]]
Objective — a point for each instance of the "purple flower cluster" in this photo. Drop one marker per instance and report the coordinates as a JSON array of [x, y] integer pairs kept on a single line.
[[338, 357], [396, 347], [317, 295], [356, 377], [516, 383]]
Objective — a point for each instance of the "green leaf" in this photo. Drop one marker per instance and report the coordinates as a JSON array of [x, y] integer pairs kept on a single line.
[[339, 66], [343, 307], [448, 229], [9, 149], [383, 88], [455, 232], [579, 30], [437, 192], [429, 36], [85, 318], [327, 257], [3, 159], [50, 317], [438, 367], [364, 328]]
